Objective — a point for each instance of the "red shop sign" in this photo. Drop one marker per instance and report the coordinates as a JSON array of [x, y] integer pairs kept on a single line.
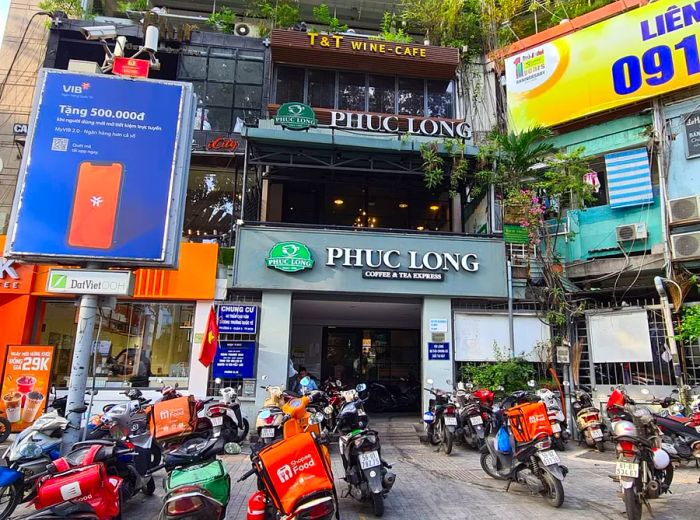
[[222, 144], [130, 67]]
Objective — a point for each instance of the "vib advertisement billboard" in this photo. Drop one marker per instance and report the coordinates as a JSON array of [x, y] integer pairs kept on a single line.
[[104, 174], [631, 57]]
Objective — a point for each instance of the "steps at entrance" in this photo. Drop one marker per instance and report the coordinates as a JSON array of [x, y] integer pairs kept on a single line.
[[400, 430]]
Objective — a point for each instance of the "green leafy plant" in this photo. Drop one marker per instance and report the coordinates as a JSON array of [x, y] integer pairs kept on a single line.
[[389, 32], [510, 373], [280, 14], [132, 5], [689, 329], [224, 20], [322, 15], [72, 8], [434, 164]]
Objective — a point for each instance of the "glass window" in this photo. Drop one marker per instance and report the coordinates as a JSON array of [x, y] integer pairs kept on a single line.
[[351, 87], [411, 96], [194, 67], [222, 51], [209, 206], [290, 84], [219, 94], [219, 119], [440, 99], [250, 72], [138, 343], [382, 94], [221, 69], [321, 88], [248, 96]]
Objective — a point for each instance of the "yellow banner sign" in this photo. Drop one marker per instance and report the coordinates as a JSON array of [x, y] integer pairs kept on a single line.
[[631, 57]]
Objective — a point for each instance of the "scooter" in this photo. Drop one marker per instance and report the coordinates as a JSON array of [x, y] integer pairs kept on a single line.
[[235, 426], [521, 450], [365, 469], [556, 416], [441, 419], [470, 431], [270, 418], [589, 421]]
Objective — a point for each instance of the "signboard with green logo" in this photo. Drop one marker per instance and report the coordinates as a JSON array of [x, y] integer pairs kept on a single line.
[[514, 234], [90, 281], [289, 257], [295, 116]]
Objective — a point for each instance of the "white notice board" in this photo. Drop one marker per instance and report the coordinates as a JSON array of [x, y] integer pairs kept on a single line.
[[619, 337]]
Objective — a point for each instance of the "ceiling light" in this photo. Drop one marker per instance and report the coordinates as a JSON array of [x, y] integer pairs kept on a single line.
[[420, 228], [403, 205], [338, 202], [434, 207]]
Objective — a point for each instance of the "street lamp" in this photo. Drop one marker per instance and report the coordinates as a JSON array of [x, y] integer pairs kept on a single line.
[[660, 284]]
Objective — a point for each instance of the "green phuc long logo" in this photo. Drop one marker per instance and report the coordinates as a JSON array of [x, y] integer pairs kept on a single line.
[[295, 116], [289, 257]]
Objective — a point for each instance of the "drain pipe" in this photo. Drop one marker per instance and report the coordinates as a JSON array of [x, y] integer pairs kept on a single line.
[[511, 330]]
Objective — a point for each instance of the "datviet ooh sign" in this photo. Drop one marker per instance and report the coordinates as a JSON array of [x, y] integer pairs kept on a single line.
[[648, 51], [296, 116], [131, 67], [25, 383]]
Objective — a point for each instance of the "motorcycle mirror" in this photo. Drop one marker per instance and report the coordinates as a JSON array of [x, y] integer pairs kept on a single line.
[[470, 386], [217, 380], [500, 388], [305, 381], [232, 448], [531, 383], [644, 391], [361, 387], [338, 382], [448, 381], [53, 389], [566, 383], [429, 381], [460, 385], [674, 391], [316, 418]]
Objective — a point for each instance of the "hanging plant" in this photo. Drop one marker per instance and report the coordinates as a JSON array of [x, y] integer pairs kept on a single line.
[[433, 165], [224, 20], [689, 329]]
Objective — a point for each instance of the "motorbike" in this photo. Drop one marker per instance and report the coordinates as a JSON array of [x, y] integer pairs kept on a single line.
[[679, 437], [91, 481], [521, 449], [556, 416], [643, 467], [197, 486], [470, 421], [295, 480], [235, 426], [269, 421], [441, 419], [366, 471], [589, 421]]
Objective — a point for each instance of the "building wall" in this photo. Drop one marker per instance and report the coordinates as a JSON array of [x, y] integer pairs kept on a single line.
[[683, 174], [16, 99]]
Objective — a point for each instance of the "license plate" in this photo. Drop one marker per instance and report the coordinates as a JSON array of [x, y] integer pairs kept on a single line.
[[596, 434], [627, 469], [217, 421], [476, 420], [369, 459], [549, 458], [450, 421], [556, 428], [267, 433]]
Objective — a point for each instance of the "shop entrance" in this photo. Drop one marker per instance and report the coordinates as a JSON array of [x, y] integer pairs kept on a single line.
[[360, 341]]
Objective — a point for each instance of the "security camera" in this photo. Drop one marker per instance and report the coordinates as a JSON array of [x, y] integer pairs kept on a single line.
[[99, 32]]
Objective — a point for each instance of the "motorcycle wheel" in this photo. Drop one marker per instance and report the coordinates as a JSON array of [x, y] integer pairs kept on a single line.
[[449, 439], [434, 437], [10, 498], [156, 455], [600, 446], [242, 431], [633, 506], [378, 504], [150, 487], [559, 444], [5, 429], [491, 469], [668, 475], [554, 491]]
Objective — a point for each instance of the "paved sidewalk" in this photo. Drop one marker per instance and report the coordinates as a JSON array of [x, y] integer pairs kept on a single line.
[[434, 486]]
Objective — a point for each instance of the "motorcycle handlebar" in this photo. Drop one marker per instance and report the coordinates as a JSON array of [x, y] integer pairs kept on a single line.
[[246, 475], [154, 469]]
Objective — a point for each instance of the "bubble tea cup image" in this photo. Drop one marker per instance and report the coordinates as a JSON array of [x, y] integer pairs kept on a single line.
[[13, 406], [32, 405]]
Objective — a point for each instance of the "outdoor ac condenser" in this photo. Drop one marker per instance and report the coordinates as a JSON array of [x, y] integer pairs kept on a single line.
[[684, 210], [629, 232], [685, 246]]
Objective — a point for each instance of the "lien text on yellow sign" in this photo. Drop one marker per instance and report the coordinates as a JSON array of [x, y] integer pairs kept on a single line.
[[631, 57]]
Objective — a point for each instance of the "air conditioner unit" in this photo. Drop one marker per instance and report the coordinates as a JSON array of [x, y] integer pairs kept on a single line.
[[685, 246], [629, 232], [686, 209], [242, 29]]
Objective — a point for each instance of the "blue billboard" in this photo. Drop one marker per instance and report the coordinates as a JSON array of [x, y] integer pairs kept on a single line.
[[238, 319], [104, 174], [234, 359]]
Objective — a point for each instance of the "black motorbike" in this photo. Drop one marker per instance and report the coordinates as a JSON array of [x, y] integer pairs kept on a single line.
[[441, 419], [681, 441], [471, 427], [366, 471]]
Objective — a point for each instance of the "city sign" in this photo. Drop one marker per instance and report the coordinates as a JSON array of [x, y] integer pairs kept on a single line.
[[650, 51], [95, 143], [238, 319], [295, 116], [222, 144], [289, 257], [90, 281], [400, 124]]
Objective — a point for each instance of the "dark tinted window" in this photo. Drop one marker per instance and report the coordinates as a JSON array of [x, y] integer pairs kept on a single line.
[[351, 91], [193, 67], [411, 96], [220, 94], [321, 88], [249, 72], [221, 69], [382, 94], [290, 84], [440, 99]]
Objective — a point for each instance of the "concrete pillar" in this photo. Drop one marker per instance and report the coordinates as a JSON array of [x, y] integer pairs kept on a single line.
[[440, 371], [273, 341], [199, 374]]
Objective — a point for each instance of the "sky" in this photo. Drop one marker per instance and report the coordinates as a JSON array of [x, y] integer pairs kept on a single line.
[[4, 10]]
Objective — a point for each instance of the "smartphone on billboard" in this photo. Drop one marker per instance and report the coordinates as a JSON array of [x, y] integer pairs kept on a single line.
[[95, 205]]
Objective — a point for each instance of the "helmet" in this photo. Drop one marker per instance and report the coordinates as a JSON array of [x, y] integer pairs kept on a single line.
[[661, 458], [624, 428]]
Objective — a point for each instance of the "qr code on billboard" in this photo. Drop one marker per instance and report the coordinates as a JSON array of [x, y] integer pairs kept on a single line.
[[59, 144]]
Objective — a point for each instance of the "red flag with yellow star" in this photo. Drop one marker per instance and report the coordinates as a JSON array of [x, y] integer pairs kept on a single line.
[[211, 338]]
